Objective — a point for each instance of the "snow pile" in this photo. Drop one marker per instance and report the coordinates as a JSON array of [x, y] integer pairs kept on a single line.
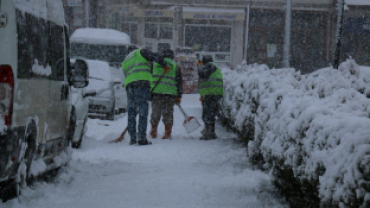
[[100, 36], [36, 7], [41, 70], [315, 125], [38, 166], [51, 9], [63, 157]]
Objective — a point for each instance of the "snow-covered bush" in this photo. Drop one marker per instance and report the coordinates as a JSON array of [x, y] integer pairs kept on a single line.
[[312, 130]]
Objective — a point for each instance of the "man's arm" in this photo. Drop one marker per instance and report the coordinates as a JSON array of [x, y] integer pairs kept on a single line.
[[205, 71], [153, 57]]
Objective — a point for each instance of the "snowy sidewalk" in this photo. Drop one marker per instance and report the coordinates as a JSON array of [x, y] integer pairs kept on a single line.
[[182, 172]]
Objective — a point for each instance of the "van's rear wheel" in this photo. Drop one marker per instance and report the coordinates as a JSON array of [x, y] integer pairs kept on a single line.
[[11, 188]]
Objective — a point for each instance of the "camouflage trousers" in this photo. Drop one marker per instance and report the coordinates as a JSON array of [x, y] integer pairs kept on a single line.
[[162, 106]]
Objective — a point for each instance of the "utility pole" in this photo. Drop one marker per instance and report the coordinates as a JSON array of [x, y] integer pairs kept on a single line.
[[247, 32], [338, 32], [288, 23], [87, 13]]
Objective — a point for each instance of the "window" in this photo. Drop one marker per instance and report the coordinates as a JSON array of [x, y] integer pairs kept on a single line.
[[149, 45], [266, 19], [40, 45], [56, 51], [114, 20], [222, 57], [208, 38], [162, 46], [151, 30], [129, 25], [108, 53], [158, 27], [165, 31]]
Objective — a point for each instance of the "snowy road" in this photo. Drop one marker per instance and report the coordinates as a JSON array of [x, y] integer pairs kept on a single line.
[[182, 172]]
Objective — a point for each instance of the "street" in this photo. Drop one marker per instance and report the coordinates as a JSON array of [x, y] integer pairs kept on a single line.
[[182, 172]]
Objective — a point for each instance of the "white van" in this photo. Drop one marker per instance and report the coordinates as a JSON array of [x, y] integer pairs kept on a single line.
[[35, 80], [104, 45]]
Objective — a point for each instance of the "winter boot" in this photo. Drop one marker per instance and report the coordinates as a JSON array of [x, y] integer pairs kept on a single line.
[[205, 133], [133, 140], [213, 132], [168, 131], [144, 142], [153, 131], [209, 133]]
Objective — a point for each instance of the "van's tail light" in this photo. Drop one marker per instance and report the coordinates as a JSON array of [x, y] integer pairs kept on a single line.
[[6, 93]]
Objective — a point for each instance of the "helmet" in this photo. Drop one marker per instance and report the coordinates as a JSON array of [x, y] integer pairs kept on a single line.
[[131, 48], [206, 59], [167, 53]]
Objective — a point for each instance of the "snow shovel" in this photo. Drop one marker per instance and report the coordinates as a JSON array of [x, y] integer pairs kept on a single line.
[[190, 123], [120, 138]]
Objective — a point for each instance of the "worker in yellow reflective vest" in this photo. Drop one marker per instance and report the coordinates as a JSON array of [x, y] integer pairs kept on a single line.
[[167, 93], [211, 91], [137, 68]]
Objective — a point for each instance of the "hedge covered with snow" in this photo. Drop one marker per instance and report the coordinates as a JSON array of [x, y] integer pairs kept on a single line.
[[311, 132]]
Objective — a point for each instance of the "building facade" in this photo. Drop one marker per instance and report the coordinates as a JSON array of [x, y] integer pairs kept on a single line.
[[229, 30], [355, 41]]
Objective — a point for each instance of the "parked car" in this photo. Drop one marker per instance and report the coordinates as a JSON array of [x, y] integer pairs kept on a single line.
[[102, 83], [35, 99], [104, 45], [120, 93], [80, 106]]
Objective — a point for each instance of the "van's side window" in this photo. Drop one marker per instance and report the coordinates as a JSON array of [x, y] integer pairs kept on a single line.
[[33, 44], [57, 51], [40, 45]]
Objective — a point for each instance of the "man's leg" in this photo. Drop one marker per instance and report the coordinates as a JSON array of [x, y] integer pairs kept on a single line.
[[204, 129], [155, 116], [131, 111], [143, 103], [214, 112], [168, 117], [209, 118]]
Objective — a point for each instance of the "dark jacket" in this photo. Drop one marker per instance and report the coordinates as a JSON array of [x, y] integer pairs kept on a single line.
[[151, 57], [206, 70]]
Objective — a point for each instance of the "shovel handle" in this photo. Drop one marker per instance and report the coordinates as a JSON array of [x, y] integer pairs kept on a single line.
[[182, 111], [157, 83]]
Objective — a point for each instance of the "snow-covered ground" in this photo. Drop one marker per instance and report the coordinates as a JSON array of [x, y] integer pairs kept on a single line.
[[182, 172]]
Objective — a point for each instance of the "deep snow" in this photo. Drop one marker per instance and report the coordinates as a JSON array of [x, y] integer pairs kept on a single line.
[[182, 172]]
